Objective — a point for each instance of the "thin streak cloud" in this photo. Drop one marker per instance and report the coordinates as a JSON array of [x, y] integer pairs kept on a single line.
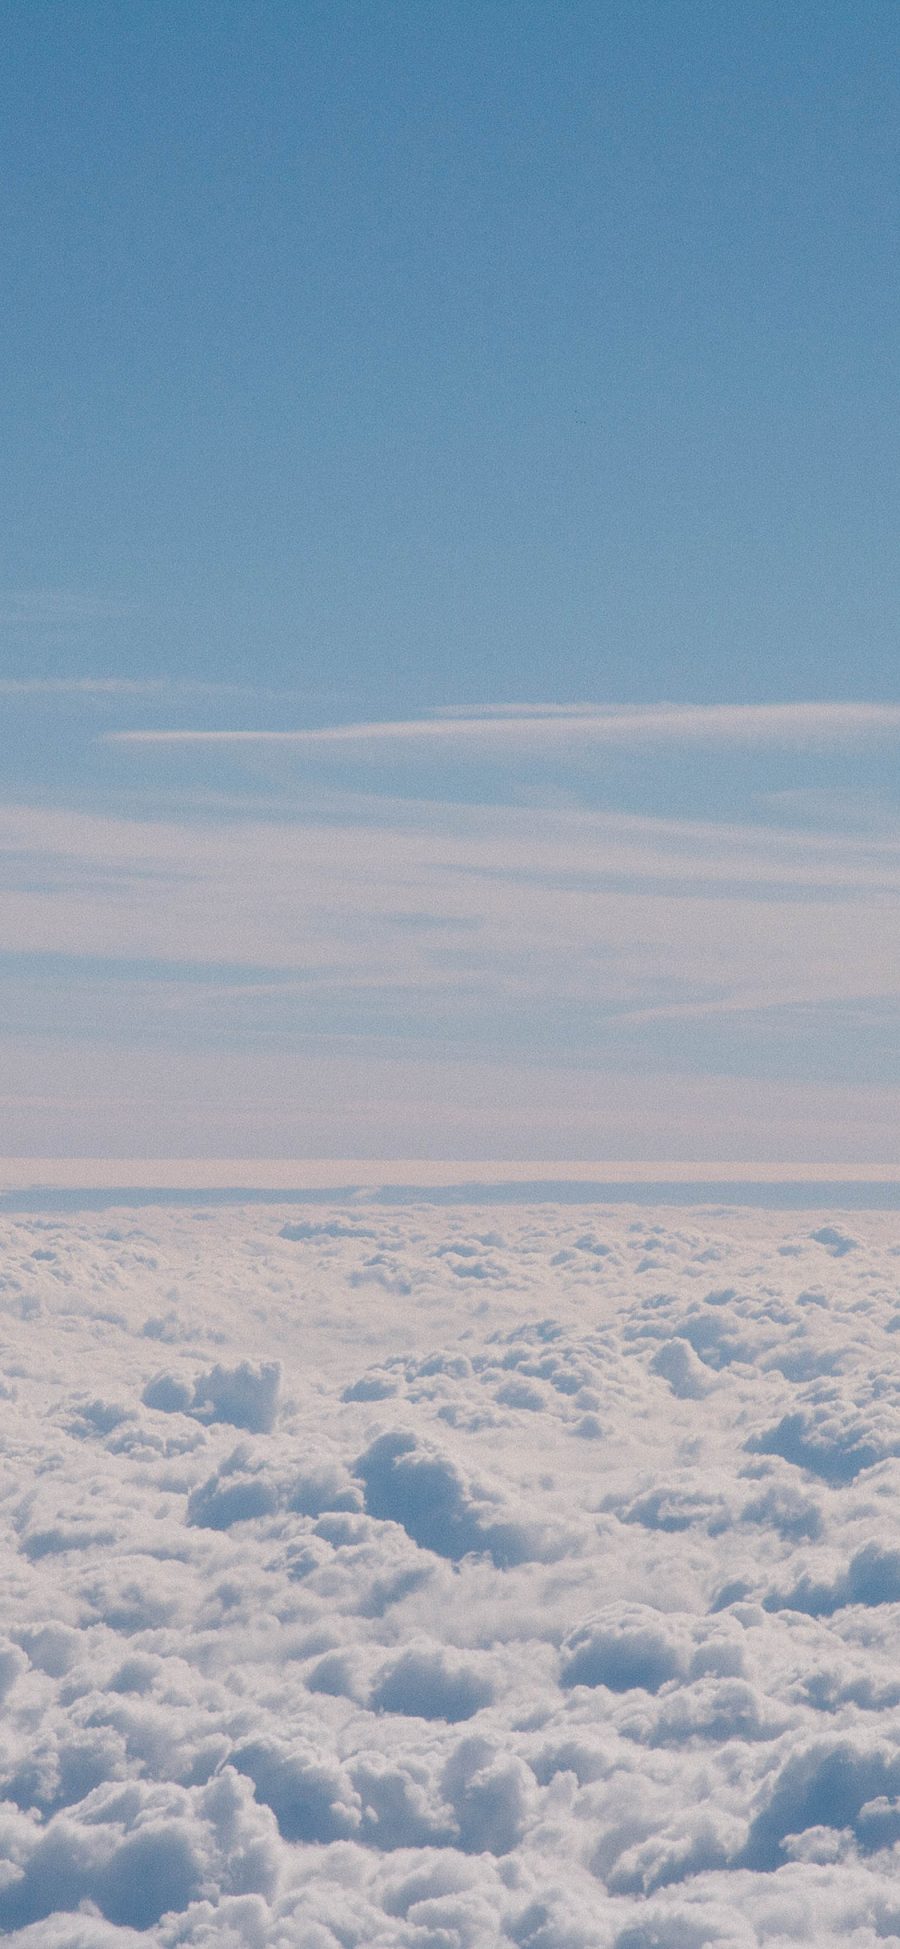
[[813, 723], [84, 687], [126, 687]]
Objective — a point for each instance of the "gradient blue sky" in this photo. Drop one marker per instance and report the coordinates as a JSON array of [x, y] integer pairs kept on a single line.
[[520, 378]]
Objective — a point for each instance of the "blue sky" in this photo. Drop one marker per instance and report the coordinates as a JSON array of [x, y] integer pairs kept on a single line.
[[520, 379]]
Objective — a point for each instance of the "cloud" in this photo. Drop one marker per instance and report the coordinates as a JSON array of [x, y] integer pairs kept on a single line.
[[871, 1577], [410, 1483], [317, 1662], [257, 976], [112, 687], [544, 728], [58, 609], [245, 1396], [838, 1428], [424, 1682], [621, 1650]]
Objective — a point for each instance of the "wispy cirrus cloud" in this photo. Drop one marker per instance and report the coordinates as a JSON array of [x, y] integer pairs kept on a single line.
[[818, 723], [640, 916], [40, 609], [124, 687], [343, 937], [179, 688], [327, 982]]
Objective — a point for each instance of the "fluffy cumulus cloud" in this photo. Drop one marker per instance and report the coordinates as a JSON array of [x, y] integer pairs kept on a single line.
[[392, 1579]]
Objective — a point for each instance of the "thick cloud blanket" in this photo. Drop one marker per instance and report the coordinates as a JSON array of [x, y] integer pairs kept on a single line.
[[441, 1579]]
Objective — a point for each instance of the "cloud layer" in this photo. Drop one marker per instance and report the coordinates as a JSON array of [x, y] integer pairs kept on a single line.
[[651, 901], [652, 964], [432, 1579]]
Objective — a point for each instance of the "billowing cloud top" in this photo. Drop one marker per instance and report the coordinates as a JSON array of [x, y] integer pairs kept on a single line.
[[435, 1579]]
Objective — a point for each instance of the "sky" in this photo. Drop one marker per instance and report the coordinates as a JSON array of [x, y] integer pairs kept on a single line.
[[448, 617]]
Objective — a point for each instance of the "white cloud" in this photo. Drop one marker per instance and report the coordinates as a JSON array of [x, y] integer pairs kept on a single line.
[[350, 1715], [55, 609], [113, 687], [651, 915], [541, 728], [368, 1176], [179, 690], [494, 939], [328, 1097]]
